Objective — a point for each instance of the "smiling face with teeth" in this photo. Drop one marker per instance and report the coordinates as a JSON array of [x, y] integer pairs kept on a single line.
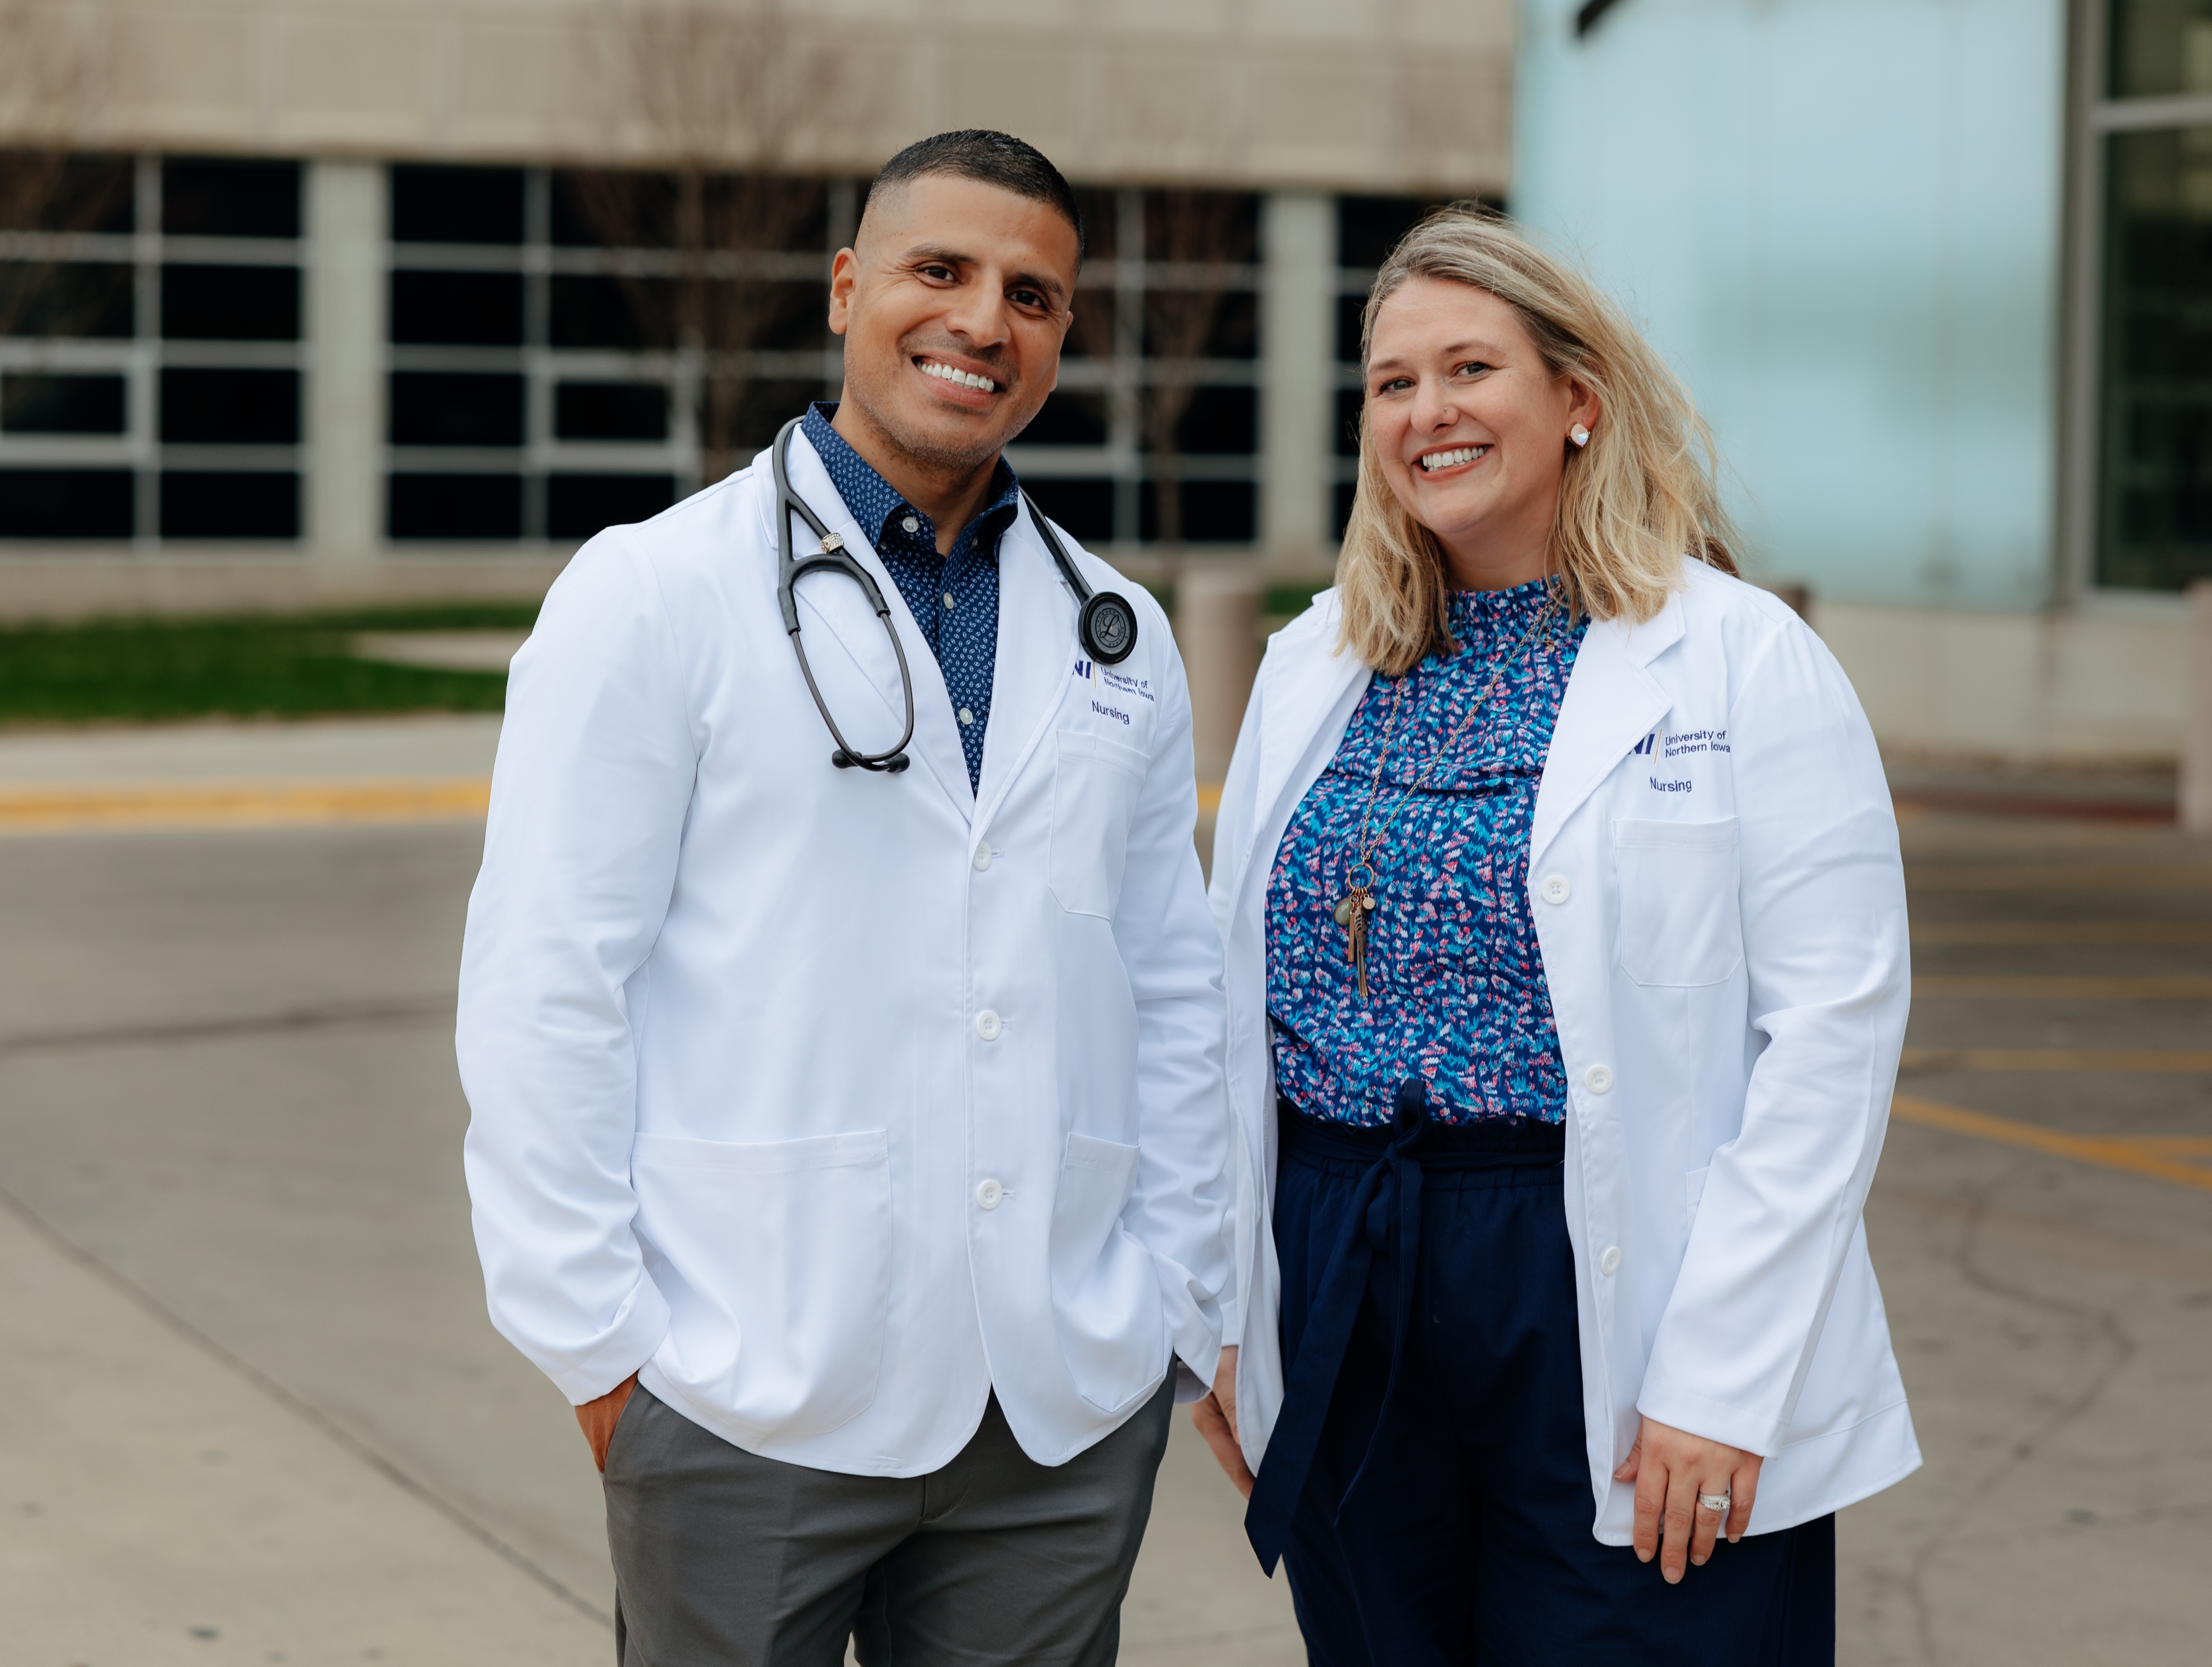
[[953, 302], [1470, 427]]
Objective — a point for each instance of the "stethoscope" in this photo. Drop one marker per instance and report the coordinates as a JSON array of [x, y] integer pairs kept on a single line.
[[1105, 623]]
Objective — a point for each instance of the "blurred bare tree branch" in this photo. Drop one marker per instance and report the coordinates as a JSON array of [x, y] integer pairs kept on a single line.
[[722, 102], [1193, 231], [57, 65]]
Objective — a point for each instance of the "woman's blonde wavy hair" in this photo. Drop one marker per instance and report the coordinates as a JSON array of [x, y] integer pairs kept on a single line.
[[1643, 493]]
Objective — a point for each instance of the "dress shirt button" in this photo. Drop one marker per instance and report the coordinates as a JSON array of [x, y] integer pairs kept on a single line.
[[988, 1026], [982, 855], [966, 717], [1598, 1079], [948, 599], [911, 524], [989, 1192], [1555, 888], [1608, 1264]]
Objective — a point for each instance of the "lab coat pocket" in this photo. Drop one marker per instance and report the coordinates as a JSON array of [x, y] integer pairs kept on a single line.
[[775, 1258], [1105, 1293], [1094, 791], [1681, 921]]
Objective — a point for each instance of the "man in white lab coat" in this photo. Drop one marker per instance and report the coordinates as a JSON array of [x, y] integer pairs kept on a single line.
[[848, 1143]]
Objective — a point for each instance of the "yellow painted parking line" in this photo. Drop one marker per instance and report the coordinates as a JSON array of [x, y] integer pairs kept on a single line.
[[64, 808], [2153, 1156], [2060, 877], [2030, 986], [2176, 1061], [2006, 933]]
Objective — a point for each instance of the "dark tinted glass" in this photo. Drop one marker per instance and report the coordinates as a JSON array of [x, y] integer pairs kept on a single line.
[[1200, 323], [2160, 47], [743, 417], [1348, 311], [1214, 511], [441, 408], [468, 309], [1219, 422], [1069, 419], [65, 503], [614, 209], [598, 311], [2155, 497], [767, 212], [230, 407], [577, 506], [1202, 225], [38, 402], [457, 507], [67, 298], [196, 505], [1083, 508], [785, 317], [208, 198], [42, 192], [230, 303], [1348, 401], [457, 205], [1369, 227], [1346, 492], [611, 411], [1102, 222]]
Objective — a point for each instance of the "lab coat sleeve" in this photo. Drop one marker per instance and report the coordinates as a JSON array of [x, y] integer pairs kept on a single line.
[[589, 794], [1826, 958], [1231, 834], [1172, 955]]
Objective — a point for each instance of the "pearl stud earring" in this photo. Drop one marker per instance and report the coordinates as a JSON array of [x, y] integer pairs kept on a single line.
[[1579, 434]]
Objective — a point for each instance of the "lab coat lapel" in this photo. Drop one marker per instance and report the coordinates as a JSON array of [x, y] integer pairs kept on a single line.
[[844, 612], [1299, 692], [1035, 657], [1612, 702]]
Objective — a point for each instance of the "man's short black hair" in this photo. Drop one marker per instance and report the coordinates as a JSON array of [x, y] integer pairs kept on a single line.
[[995, 159]]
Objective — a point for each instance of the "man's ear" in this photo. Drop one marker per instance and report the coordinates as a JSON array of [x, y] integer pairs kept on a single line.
[[844, 278]]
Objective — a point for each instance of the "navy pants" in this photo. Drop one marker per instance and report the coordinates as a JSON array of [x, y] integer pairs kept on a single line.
[[1446, 1517]]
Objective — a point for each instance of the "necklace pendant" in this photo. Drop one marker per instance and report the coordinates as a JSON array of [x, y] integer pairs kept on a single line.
[[1352, 912]]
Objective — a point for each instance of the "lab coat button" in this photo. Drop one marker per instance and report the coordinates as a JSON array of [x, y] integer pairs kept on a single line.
[[982, 855], [1555, 888], [987, 1025], [1598, 1079], [1608, 1264], [989, 1193]]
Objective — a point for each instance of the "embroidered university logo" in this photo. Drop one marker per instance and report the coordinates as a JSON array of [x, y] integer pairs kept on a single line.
[[1645, 746], [1083, 671]]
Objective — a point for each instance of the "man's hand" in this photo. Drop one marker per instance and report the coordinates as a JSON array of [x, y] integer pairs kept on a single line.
[[600, 1417], [1670, 1468], [1215, 1418]]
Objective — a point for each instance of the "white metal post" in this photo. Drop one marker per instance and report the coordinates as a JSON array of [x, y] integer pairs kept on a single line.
[[1297, 337], [2196, 720], [345, 397]]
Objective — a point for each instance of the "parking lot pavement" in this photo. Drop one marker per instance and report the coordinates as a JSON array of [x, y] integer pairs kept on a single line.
[[243, 1349]]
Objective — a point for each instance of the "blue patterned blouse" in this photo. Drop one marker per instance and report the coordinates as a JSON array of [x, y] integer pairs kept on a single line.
[[1456, 991]]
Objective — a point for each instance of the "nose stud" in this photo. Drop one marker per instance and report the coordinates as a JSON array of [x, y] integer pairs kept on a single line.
[[1579, 434]]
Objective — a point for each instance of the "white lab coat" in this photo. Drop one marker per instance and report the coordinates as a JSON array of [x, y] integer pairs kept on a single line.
[[1719, 899], [834, 1100]]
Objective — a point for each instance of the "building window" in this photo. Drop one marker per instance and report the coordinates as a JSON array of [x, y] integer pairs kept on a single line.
[[149, 349], [2153, 123]]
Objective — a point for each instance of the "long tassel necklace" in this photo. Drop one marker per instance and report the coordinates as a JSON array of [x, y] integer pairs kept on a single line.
[[1358, 904]]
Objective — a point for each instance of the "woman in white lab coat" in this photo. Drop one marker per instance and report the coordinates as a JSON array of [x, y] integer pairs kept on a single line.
[[1567, 974]]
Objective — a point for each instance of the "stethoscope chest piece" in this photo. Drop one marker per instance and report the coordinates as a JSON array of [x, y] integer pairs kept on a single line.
[[1107, 628]]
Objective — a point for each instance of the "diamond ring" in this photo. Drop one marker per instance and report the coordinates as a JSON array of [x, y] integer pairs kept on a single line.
[[1714, 1502]]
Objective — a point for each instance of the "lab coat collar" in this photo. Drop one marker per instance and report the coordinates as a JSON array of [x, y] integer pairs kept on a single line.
[[1036, 656], [1612, 702], [845, 614]]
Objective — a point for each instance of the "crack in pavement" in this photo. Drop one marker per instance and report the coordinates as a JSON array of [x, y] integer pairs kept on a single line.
[[406, 1010]]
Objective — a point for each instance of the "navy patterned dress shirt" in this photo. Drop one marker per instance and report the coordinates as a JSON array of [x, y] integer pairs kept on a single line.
[[953, 598]]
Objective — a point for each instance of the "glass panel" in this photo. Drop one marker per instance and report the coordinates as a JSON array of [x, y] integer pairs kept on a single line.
[[34, 402], [43, 193], [467, 309], [578, 506], [231, 407], [449, 408], [1214, 511], [457, 205], [2160, 47], [1348, 401], [65, 503], [457, 507], [1083, 508], [599, 311], [230, 303], [203, 199], [1219, 423], [2155, 508], [1069, 419], [611, 411], [197, 505], [67, 298]]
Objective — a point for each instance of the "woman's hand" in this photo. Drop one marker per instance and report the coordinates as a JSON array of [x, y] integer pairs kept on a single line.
[[1215, 1418], [1670, 1468]]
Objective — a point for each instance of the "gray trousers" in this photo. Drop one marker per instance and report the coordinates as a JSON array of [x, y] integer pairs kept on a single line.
[[725, 1559]]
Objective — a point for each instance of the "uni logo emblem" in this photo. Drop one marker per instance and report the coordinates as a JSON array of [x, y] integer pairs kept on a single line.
[[1645, 745], [1082, 669]]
